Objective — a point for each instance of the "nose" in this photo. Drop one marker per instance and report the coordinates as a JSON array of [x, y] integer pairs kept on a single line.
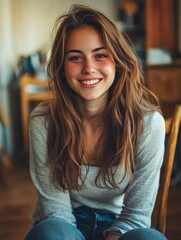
[[88, 67]]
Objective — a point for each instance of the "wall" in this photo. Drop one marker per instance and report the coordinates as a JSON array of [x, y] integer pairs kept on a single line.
[[33, 20], [6, 40], [6, 59]]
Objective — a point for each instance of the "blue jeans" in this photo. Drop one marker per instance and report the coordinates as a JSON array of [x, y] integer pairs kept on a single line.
[[90, 226]]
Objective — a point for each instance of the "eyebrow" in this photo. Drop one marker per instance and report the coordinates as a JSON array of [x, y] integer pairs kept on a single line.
[[79, 51]]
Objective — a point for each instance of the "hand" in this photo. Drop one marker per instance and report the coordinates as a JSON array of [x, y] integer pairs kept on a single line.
[[113, 236]]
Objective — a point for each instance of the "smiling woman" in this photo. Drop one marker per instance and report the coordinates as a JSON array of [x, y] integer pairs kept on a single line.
[[93, 145]]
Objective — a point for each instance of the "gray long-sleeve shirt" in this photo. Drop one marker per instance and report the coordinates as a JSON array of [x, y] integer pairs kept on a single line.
[[133, 201]]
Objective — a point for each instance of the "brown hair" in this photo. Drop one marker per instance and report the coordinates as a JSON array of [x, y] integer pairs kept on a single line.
[[129, 100]]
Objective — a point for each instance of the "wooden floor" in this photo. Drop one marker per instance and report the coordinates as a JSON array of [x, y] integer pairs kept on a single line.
[[17, 199]]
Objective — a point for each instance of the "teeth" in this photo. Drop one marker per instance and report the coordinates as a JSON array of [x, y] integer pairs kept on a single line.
[[89, 82]]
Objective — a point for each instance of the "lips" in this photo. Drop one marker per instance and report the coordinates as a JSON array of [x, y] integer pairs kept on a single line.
[[90, 81]]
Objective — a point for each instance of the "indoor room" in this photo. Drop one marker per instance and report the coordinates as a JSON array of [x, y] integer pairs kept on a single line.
[[152, 29]]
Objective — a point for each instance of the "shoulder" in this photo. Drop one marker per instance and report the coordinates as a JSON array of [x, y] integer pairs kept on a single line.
[[39, 110], [154, 123], [153, 134], [38, 118]]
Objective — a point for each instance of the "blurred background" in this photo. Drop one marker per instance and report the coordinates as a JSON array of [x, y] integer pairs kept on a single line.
[[153, 26]]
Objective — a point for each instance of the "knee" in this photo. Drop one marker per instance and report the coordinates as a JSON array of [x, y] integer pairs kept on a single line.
[[143, 234], [46, 229], [51, 229]]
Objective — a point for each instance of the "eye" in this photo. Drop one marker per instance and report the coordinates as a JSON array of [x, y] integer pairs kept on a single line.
[[101, 56], [75, 58]]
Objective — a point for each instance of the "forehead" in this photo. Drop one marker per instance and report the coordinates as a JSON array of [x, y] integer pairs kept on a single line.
[[84, 37]]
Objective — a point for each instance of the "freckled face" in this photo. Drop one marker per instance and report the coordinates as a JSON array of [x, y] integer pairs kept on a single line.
[[89, 69]]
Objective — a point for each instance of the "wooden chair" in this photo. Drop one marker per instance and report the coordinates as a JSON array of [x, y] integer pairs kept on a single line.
[[172, 128]]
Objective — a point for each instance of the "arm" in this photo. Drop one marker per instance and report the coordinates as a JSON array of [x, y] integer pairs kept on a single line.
[[51, 202], [141, 193]]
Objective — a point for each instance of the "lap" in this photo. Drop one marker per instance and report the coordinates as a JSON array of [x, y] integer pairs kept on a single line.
[[90, 226], [92, 223]]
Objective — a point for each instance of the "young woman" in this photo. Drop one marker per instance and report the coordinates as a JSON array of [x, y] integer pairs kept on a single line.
[[97, 147]]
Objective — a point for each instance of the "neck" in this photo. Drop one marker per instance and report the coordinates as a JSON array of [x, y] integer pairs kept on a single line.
[[92, 110]]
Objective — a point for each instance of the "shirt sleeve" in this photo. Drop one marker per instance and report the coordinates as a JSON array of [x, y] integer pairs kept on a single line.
[[141, 193], [51, 201]]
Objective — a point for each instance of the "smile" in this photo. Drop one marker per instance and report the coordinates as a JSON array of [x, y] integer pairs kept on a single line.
[[91, 82]]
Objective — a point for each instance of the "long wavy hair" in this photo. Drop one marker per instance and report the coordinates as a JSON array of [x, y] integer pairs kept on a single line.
[[128, 102]]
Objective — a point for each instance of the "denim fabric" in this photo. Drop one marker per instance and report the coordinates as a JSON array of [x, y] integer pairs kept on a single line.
[[92, 222], [54, 229], [90, 226], [143, 234]]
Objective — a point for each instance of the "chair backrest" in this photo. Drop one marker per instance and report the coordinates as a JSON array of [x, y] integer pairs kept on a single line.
[[172, 128]]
